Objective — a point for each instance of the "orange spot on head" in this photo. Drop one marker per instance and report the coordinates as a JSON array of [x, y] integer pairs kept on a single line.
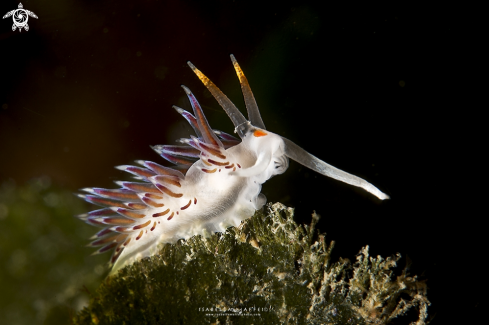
[[259, 133]]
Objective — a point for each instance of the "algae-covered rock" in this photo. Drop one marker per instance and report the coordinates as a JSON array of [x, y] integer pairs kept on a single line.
[[267, 271]]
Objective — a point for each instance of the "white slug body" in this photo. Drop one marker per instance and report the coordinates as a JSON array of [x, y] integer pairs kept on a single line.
[[215, 184]]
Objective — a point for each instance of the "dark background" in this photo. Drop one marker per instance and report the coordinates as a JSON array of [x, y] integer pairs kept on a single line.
[[366, 88]]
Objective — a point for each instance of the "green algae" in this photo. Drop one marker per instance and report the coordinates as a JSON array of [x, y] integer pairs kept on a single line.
[[267, 271]]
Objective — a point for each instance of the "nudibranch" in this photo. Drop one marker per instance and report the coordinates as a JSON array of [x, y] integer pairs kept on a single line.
[[215, 182]]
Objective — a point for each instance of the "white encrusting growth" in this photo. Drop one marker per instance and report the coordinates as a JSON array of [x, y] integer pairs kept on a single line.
[[215, 183]]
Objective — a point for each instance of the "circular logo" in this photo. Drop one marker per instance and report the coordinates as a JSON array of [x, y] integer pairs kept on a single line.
[[20, 17]]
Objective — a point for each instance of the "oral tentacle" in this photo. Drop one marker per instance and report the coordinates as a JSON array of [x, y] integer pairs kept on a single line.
[[298, 154]]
